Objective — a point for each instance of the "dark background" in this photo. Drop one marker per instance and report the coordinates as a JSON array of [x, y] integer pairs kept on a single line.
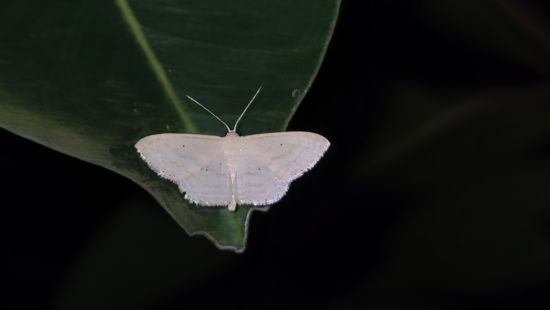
[[434, 193]]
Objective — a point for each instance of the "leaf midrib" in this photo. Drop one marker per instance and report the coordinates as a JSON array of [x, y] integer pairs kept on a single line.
[[156, 66]]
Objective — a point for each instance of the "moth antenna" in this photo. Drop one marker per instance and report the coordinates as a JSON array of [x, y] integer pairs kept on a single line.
[[207, 110], [246, 108]]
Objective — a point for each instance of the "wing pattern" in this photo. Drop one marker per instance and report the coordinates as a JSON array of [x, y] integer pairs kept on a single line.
[[195, 163], [254, 169], [257, 184], [274, 160]]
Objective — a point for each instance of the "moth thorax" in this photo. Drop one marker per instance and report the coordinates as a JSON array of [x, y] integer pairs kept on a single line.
[[232, 148]]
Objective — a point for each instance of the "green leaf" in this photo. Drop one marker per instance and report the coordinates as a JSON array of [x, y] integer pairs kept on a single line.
[[90, 78]]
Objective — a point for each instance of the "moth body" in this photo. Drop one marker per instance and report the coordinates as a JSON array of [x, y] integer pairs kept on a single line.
[[228, 171]]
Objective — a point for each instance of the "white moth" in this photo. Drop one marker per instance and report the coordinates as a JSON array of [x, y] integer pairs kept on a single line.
[[231, 170]]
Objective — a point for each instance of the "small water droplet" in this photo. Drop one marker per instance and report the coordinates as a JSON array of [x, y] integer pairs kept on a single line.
[[295, 93], [136, 111]]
